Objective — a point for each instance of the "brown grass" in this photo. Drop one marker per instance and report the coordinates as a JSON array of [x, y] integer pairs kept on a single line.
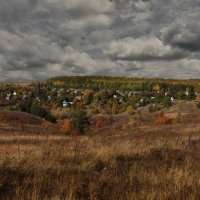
[[135, 163], [149, 163]]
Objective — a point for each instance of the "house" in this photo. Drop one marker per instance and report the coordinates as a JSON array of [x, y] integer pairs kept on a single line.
[[78, 92], [130, 94], [64, 104], [7, 98], [136, 105], [121, 101], [172, 99], [24, 96], [78, 98]]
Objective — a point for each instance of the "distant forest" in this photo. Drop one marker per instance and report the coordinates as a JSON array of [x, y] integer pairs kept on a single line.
[[123, 83]]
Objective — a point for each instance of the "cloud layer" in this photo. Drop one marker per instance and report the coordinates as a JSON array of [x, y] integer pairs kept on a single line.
[[140, 38]]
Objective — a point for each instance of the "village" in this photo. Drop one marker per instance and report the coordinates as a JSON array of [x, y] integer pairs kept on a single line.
[[14, 97]]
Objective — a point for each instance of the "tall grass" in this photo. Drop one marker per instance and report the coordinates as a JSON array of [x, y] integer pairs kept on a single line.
[[98, 168]]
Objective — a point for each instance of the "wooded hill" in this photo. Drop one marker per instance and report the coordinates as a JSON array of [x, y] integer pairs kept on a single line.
[[120, 83]]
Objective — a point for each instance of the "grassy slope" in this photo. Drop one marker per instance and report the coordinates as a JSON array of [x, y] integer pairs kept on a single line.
[[147, 162]]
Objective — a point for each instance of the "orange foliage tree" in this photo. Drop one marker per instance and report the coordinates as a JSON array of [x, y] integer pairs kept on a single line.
[[66, 126], [47, 126], [99, 121]]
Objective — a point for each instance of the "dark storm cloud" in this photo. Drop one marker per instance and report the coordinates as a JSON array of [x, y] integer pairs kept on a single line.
[[120, 37], [184, 36]]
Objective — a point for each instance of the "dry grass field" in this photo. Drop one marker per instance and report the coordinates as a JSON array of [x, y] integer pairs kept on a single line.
[[131, 158]]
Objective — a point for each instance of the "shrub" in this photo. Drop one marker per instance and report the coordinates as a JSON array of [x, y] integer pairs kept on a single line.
[[167, 102], [198, 105], [25, 105], [130, 124], [154, 108], [177, 119], [114, 108], [99, 121], [161, 119], [130, 110], [46, 125], [2, 117], [66, 126]]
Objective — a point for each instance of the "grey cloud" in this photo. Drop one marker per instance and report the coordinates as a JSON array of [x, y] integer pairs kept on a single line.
[[44, 38], [144, 49], [184, 36]]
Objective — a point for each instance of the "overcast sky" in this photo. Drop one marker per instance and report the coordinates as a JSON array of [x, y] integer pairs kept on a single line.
[[136, 38]]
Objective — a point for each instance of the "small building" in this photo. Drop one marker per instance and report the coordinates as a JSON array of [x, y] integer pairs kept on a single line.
[[64, 104], [79, 98], [121, 101]]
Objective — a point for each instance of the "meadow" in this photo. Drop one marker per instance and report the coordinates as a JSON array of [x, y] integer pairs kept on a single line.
[[121, 160]]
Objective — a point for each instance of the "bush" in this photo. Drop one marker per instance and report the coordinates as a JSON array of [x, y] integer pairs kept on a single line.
[[114, 108], [80, 121], [47, 126], [99, 121], [198, 105], [177, 119], [130, 110], [167, 102], [25, 105], [66, 126], [161, 119], [154, 108]]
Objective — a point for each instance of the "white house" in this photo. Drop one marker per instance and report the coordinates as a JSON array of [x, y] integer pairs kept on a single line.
[[64, 103], [121, 101], [78, 97]]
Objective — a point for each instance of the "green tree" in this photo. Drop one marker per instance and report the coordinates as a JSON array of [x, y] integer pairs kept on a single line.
[[87, 97], [38, 110], [25, 105], [80, 120], [167, 102], [153, 108]]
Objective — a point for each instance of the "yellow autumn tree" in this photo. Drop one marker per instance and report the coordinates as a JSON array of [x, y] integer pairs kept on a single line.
[[156, 87]]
